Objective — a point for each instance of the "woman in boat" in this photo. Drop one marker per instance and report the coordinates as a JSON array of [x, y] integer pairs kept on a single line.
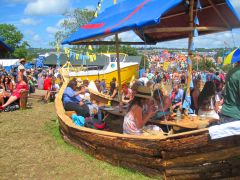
[[21, 86], [127, 94], [113, 88], [137, 116], [72, 100], [194, 95], [207, 102]]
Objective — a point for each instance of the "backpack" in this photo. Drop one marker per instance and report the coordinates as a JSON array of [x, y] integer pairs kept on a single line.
[[94, 123]]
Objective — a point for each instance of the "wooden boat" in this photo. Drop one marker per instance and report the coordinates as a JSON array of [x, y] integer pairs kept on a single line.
[[189, 155], [103, 98]]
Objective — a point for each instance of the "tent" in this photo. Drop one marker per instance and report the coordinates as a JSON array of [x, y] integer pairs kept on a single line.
[[9, 63]]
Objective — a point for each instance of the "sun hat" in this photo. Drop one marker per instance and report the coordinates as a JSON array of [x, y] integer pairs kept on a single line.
[[144, 92], [22, 60]]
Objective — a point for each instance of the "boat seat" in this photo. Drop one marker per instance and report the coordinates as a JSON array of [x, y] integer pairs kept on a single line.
[[70, 113]]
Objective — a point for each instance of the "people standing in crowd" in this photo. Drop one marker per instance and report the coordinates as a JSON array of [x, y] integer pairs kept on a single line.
[[231, 107], [47, 86]]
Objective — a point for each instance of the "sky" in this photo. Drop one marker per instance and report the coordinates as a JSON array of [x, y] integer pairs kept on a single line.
[[39, 20]]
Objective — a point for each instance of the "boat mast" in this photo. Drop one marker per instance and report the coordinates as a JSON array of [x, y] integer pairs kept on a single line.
[[190, 41], [118, 68]]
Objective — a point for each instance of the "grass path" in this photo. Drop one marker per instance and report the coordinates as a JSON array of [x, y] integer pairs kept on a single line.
[[32, 148]]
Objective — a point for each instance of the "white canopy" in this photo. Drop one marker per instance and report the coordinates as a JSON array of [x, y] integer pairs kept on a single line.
[[9, 62]]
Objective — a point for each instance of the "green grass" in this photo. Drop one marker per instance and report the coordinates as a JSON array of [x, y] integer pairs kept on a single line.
[[52, 127]]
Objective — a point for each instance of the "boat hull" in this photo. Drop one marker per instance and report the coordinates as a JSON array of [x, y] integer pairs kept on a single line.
[[190, 155]]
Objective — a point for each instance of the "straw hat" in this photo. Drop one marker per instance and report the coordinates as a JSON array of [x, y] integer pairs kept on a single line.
[[22, 60], [144, 92]]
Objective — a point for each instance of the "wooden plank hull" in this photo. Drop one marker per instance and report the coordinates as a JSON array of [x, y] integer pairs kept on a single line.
[[191, 155]]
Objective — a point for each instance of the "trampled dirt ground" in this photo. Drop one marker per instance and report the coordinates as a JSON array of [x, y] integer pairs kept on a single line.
[[31, 148]]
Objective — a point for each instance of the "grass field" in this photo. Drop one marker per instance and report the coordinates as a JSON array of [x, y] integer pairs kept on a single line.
[[32, 148]]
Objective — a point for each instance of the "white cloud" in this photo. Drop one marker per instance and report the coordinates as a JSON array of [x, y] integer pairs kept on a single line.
[[47, 7], [29, 21], [60, 22], [36, 38], [29, 32], [90, 8], [52, 30]]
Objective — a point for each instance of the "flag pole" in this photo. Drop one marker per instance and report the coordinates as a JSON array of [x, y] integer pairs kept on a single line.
[[118, 69], [190, 41]]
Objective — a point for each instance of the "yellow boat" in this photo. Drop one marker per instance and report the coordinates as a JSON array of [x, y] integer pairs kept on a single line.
[[108, 71]]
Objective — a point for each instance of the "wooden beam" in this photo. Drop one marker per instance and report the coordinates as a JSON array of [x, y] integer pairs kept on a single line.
[[182, 13], [184, 29], [219, 14], [109, 43], [190, 41]]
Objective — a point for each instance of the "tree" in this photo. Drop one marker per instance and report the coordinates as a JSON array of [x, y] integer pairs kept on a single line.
[[72, 21], [14, 38]]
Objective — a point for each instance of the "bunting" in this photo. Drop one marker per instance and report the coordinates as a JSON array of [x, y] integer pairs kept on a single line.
[[89, 55], [98, 8]]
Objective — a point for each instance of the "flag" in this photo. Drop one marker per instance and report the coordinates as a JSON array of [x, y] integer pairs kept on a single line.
[[77, 57], [195, 32], [115, 1], [199, 6], [196, 21]]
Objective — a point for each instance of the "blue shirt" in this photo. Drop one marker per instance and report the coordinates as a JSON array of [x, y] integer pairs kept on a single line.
[[69, 96], [179, 96]]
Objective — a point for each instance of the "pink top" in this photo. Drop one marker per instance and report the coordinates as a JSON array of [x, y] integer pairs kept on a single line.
[[18, 89]]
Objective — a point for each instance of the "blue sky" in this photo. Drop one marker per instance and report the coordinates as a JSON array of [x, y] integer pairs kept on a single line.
[[38, 20]]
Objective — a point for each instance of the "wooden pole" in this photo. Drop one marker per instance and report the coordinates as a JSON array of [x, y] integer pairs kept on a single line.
[[118, 69], [190, 53]]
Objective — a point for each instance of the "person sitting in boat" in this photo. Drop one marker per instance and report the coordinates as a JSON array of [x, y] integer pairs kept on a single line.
[[113, 88], [127, 94], [207, 102], [72, 101], [136, 117], [103, 88], [162, 101], [177, 97], [21, 86], [195, 94]]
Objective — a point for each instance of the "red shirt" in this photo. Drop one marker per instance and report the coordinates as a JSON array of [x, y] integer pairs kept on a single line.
[[47, 84]]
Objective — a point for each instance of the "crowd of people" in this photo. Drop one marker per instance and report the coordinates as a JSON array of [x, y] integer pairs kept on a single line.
[[19, 79], [213, 95]]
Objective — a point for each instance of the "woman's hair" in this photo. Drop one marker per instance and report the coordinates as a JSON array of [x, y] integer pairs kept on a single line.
[[9, 79], [157, 93], [72, 83], [208, 91], [136, 101]]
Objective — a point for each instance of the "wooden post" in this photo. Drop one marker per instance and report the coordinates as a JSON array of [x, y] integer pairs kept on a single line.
[[118, 69], [190, 53]]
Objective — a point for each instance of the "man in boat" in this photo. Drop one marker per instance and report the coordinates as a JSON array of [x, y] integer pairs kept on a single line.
[[72, 101], [113, 88], [231, 106], [177, 97]]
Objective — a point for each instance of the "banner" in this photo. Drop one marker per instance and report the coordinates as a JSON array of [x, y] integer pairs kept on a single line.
[[166, 65]]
